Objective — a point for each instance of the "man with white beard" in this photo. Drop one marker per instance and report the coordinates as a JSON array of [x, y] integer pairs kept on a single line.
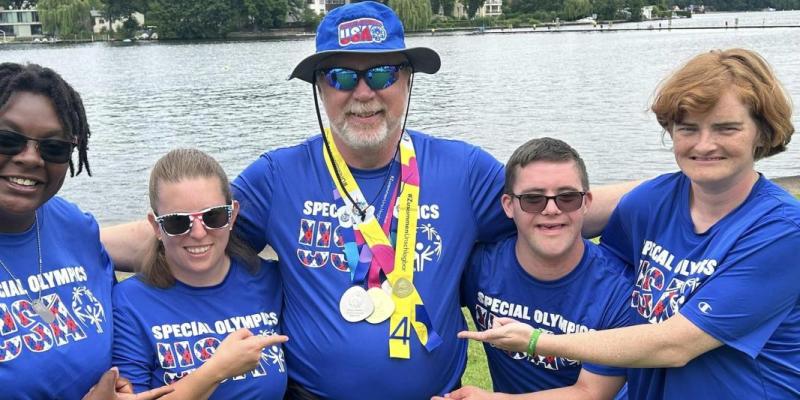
[[372, 223]]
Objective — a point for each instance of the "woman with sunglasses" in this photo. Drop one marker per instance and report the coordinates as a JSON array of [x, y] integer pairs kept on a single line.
[[714, 247], [55, 276], [203, 313]]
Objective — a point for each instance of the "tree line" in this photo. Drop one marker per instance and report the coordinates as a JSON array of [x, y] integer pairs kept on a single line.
[[206, 19]]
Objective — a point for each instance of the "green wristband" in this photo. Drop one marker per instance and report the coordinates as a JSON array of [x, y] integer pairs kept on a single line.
[[532, 343]]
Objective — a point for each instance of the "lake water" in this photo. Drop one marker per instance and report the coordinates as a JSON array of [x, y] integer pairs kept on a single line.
[[232, 99]]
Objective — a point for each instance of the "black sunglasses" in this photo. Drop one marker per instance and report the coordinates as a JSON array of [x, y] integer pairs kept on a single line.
[[177, 224], [536, 203], [56, 151], [377, 78]]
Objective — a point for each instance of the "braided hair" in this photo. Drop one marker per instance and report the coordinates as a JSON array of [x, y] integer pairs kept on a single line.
[[67, 102]]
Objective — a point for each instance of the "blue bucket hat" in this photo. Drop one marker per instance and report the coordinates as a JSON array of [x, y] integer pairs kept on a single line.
[[364, 28]]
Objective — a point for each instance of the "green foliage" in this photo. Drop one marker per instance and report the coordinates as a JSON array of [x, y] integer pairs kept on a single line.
[[191, 19], [310, 19], [576, 9], [635, 7], [415, 14], [473, 6], [121, 9], [65, 17], [211, 19], [263, 14], [607, 9]]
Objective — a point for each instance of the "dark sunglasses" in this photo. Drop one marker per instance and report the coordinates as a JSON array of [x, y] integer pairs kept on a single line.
[[377, 78], [177, 224], [536, 203], [56, 151]]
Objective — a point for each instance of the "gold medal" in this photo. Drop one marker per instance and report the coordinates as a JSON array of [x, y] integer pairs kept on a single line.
[[403, 288], [384, 306]]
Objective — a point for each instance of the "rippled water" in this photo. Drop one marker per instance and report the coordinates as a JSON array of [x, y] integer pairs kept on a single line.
[[232, 98]]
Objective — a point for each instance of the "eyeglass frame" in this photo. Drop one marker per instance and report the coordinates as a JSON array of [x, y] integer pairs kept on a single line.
[[73, 143], [192, 216], [547, 201]]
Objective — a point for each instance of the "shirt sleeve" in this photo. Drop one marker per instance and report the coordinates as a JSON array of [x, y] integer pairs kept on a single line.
[[486, 181], [618, 314], [753, 289], [469, 279], [132, 353], [253, 189]]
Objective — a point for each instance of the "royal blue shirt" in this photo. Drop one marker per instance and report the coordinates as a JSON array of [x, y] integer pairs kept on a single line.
[[739, 282], [286, 199], [593, 296], [65, 358], [164, 334]]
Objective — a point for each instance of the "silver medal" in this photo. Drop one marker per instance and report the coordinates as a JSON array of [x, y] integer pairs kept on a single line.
[[355, 304]]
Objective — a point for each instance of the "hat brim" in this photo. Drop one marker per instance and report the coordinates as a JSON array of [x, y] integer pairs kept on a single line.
[[422, 59]]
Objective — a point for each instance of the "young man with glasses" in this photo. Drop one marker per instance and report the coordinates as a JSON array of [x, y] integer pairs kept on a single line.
[[547, 276]]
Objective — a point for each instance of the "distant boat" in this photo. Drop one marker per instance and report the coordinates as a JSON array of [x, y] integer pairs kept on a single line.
[[587, 20]]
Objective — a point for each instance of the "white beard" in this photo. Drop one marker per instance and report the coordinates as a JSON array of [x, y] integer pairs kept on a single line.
[[365, 137]]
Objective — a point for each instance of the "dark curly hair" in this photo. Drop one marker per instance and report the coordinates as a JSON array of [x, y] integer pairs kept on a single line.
[[68, 105]]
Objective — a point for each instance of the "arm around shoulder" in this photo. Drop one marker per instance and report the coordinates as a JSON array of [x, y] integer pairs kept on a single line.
[[127, 244]]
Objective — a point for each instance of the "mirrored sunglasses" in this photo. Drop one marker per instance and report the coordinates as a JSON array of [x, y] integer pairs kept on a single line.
[[377, 78], [56, 151], [177, 224], [536, 203]]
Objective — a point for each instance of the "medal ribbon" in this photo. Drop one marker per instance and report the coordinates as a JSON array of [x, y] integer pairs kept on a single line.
[[409, 308]]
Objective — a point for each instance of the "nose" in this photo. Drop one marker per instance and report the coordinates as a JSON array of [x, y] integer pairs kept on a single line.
[[706, 142], [362, 91], [198, 230], [29, 153], [551, 208]]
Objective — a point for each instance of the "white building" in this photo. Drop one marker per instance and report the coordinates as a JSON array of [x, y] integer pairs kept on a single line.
[[100, 21], [491, 8], [20, 23], [647, 12]]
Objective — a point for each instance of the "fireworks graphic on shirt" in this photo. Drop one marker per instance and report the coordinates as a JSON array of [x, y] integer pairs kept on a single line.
[[88, 308], [275, 357], [427, 249]]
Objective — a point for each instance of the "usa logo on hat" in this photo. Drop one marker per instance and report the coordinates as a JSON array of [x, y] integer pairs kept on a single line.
[[362, 30]]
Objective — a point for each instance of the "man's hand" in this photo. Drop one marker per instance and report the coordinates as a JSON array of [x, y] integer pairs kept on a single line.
[[111, 386], [469, 393], [239, 353], [506, 333]]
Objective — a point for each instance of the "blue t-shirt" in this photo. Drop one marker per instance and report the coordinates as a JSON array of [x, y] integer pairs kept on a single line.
[[739, 282], [62, 359], [164, 334], [286, 199], [593, 296]]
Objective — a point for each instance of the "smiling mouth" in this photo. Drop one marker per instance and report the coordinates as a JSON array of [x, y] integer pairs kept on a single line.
[[550, 227], [22, 181], [198, 249], [696, 158], [366, 114]]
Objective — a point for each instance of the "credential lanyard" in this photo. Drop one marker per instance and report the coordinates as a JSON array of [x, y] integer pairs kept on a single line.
[[396, 263]]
